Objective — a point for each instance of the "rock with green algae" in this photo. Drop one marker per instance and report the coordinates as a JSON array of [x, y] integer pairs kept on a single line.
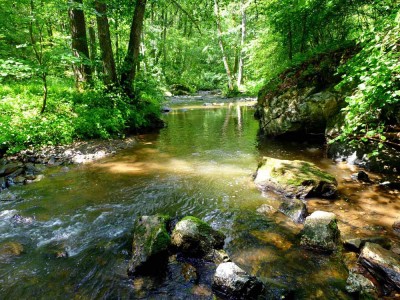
[[150, 243], [320, 232], [361, 285], [195, 238], [294, 178], [10, 249]]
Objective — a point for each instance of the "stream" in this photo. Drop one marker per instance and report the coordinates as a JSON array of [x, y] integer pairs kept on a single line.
[[201, 164]]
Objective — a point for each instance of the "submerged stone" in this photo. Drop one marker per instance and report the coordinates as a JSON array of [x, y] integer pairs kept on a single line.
[[355, 244], [295, 179], [295, 209], [383, 264], [358, 283], [150, 244], [231, 282], [321, 232], [193, 237], [10, 249]]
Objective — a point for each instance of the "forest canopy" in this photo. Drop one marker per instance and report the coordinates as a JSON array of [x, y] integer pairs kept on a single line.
[[98, 69]]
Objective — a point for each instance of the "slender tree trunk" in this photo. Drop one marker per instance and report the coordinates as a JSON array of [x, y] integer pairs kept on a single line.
[[38, 50], [164, 43], [80, 47], [290, 41], [303, 33], [221, 45], [132, 55], [92, 44], [242, 42], [107, 56]]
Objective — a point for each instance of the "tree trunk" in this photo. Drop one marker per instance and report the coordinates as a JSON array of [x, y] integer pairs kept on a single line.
[[107, 56], [80, 47], [221, 45], [242, 41], [92, 44], [132, 55], [290, 41]]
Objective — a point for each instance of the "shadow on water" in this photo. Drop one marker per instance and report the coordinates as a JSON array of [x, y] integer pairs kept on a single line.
[[201, 164]]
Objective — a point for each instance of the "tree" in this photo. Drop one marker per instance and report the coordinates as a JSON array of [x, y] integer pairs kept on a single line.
[[132, 56], [107, 56], [79, 44]]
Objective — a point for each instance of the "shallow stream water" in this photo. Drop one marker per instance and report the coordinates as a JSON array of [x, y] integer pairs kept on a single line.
[[201, 164]]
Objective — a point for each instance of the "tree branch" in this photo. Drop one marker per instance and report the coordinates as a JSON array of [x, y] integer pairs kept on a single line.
[[186, 13]]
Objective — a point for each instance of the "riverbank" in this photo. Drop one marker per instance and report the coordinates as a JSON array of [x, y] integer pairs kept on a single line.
[[28, 165]]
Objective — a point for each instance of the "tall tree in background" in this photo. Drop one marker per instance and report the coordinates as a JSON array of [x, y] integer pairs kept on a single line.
[[79, 45], [132, 56], [107, 56], [242, 42]]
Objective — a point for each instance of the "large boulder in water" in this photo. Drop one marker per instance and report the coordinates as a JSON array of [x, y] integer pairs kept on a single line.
[[320, 232], [231, 282], [294, 178], [383, 264], [150, 243], [195, 238]]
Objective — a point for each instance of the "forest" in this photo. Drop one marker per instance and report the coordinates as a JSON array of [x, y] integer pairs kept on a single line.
[[98, 69], [199, 149]]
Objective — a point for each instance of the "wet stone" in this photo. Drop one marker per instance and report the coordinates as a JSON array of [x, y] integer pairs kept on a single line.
[[19, 180], [231, 282], [2, 183], [150, 244], [320, 232], [294, 179], [383, 264], [358, 283], [361, 176], [355, 244], [10, 249], [7, 196], [295, 209], [10, 168], [266, 209], [195, 238]]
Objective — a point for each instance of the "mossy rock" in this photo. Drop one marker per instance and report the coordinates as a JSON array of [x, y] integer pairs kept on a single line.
[[195, 238], [321, 232], [150, 245], [295, 179], [10, 249]]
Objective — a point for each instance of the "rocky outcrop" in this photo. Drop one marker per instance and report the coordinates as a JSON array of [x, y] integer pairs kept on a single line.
[[196, 238], [321, 232], [298, 112], [295, 178], [150, 245], [231, 282], [383, 264]]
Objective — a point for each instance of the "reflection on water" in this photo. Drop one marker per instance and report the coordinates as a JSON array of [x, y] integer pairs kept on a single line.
[[202, 165]]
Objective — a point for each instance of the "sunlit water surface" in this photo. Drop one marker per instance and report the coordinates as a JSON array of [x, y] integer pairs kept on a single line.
[[201, 164]]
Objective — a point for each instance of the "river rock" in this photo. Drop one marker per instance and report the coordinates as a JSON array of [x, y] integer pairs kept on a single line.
[[196, 238], [150, 244], [22, 220], [383, 264], [361, 176], [355, 244], [10, 249], [7, 196], [266, 209], [231, 282], [2, 183], [358, 283], [295, 178], [320, 232], [295, 209], [296, 112], [10, 168]]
